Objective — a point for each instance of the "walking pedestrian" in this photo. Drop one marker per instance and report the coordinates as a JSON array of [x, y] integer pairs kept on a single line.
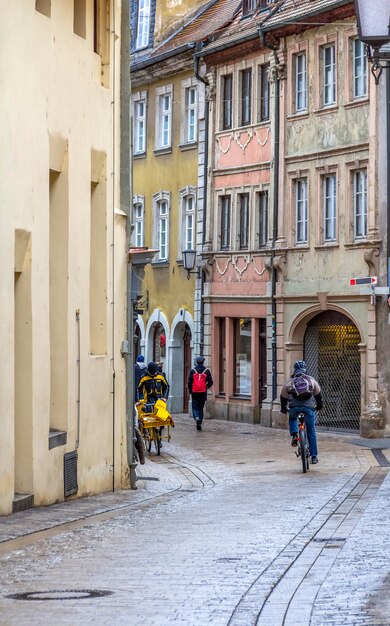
[[139, 370], [199, 381], [302, 394]]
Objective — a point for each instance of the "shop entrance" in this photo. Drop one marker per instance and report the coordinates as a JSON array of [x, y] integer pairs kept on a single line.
[[331, 351]]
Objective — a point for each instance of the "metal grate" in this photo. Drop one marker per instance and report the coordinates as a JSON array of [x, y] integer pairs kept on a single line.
[[332, 356], [70, 473]]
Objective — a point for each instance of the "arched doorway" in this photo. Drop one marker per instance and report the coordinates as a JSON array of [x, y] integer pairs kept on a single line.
[[159, 344], [331, 351]]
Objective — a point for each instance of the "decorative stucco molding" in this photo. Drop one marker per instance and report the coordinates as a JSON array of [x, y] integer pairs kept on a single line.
[[222, 272], [230, 138], [279, 263], [323, 299], [262, 143], [371, 257], [235, 260], [237, 137], [255, 267]]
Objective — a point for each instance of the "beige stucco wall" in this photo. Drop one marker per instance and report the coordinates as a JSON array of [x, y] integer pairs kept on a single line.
[[54, 113]]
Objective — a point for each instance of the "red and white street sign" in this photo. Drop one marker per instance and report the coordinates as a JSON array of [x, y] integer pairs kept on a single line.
[[368, 280]]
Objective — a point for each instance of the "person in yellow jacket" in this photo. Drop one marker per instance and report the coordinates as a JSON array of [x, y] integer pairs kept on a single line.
[[153, 386]]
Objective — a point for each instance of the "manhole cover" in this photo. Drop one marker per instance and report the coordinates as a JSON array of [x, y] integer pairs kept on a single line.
[[60, 594]]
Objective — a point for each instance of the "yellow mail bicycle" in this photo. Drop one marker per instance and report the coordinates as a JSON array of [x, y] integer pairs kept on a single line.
[[155, 424]]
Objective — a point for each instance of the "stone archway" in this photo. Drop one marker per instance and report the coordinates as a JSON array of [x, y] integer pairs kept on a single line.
[[331, 351]]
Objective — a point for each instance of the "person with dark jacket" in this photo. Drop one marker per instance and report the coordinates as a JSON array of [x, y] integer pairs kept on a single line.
[[306, 403], [199, 381], [139, 370], [152, 386]]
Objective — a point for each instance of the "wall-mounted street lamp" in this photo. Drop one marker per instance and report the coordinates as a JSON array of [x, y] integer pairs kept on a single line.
[[373, 18], [189, 258]]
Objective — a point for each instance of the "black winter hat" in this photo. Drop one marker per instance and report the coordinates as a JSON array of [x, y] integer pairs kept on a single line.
[[200, 360], [152, 368]]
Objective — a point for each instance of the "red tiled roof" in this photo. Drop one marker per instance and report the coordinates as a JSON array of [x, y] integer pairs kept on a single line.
[[212, 18]]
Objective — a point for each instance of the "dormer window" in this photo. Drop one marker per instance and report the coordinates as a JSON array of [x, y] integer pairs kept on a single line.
[[248, 6]]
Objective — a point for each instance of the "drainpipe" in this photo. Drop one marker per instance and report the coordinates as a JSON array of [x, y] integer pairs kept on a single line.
[[275, 193], [205, 174], [126, 149]]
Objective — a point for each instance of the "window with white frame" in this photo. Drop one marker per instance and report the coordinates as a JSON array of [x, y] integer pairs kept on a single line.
[[262, 218], [191, 114], [164, 116], [225, 221], [187, 202], [246, 96], [263, 92], [329, 183], [360, 204], [161, 207], [243, 230], [301, 216], [328, 64], [248, 6], [300, 84], [138, 218], [139, 103], [359, 66], [143, 22], [227, 101]]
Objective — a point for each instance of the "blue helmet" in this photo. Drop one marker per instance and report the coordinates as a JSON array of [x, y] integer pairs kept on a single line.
[[300, 367]]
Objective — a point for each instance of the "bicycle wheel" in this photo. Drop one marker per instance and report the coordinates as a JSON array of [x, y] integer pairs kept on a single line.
[[303, 449], [157, 440]]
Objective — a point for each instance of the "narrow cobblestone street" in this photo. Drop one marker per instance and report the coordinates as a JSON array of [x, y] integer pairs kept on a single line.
[[224, 529]]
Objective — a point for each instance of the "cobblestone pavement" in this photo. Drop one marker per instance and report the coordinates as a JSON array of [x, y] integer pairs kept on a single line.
[[230, 533]]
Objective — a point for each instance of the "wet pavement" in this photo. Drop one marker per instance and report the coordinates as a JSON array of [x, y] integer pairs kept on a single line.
[[224, 529]]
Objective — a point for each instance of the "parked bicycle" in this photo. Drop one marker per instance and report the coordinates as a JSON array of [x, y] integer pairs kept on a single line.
[[303, 450]]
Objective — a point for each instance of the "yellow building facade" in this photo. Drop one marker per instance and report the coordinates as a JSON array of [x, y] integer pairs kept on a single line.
[[62, 243]]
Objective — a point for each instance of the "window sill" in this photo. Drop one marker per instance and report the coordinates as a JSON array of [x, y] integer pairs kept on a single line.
[[362, 243], [298, 247], [327, 246], [241, 396], [325, 110], [300, 115], [160, 151], [356, 103], [188, 146], [158, 264], [57, 438], [139, 155]]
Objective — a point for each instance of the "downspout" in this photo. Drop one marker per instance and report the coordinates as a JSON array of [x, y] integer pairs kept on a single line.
[[205, 176], [388, 175], [125, 200], [275, 194], [113, 182]]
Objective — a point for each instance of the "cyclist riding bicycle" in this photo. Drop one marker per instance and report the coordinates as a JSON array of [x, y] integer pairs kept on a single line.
[[302, 394], [152, 386]]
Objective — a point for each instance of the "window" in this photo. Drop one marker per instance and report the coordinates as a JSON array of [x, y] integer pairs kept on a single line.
[[227, 85], [244, 221], [225, 222], [299, 62], [242, 355], [160, 225], [328, 75], [189, 223], [143, 24], [138, 217], [191, 114], [140, 123], [329, 204], [263, 93], [163, 116], [301, 210], [248, 6], [360, 204], [359, 69], [246, 96], [262, 218]]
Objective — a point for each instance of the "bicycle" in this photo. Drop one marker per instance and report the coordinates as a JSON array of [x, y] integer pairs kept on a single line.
[[303, 450]]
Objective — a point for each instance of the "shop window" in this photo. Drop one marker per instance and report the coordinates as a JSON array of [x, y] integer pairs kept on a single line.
[[242, 356], [222, 356]]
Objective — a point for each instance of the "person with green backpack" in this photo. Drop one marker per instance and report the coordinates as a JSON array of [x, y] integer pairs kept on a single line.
[[199, 381]]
